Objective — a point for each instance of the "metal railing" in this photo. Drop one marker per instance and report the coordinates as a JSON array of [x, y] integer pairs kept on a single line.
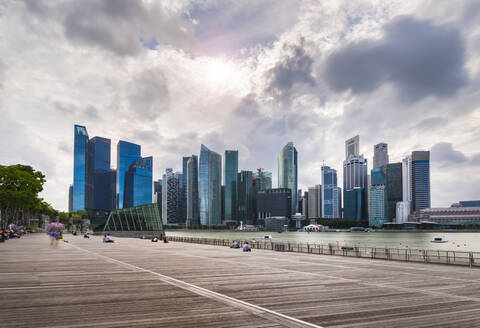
[[471, 259]]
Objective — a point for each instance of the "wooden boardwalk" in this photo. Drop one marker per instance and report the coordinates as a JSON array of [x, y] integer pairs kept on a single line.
[[137, 283]]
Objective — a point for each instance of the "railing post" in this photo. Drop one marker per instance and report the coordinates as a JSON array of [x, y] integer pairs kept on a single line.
[[470, 259]]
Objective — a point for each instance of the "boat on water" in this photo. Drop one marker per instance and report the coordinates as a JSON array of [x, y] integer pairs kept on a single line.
[[439, 240], [267, 237]]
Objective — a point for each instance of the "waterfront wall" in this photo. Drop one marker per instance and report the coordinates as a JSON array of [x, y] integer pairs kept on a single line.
[[471, 259]]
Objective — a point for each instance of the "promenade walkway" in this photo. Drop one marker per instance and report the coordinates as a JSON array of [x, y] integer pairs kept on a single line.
[[137, 283]]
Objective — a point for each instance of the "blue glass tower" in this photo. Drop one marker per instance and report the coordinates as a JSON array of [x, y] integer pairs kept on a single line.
[[210, 187], [183, 204], [330, 194], [231, 169], [103, 177], [80, 170], [353, 204], [139, 183], [127, 154], [246, 196], [420, 180], [288, 171]]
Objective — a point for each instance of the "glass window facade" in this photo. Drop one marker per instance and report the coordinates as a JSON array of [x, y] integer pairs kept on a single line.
[[139, 183], [231, 170], [127, 153], [210, 183], [246, 197], [394, 189], [80, 171], [353, 204], [104, 179], [193, 205], [145, 218], [331, 202], [288, 172], [420, 180]]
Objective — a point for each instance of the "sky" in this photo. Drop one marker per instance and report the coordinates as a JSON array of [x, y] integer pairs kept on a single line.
[[250, 75]]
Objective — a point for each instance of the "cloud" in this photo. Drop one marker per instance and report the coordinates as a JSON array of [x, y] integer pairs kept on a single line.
[[296, 67], [445, 155], [148, 94], [117, 26], [419, 58]]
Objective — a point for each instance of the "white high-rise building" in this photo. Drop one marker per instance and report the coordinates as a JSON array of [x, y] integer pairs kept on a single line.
[[404, 207]]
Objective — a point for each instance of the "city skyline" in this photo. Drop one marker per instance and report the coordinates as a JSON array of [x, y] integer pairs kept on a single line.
[[312, 73]]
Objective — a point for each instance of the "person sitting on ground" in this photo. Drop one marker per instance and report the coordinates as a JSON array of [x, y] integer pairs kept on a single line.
[[85, 235], [235, 244], [246, 248], [107, 239], [154, 239]]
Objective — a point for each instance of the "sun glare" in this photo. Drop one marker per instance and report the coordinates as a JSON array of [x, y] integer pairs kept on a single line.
[[221, 73]]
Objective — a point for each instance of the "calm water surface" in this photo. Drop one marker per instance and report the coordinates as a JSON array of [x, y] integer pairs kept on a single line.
[[459, 241]]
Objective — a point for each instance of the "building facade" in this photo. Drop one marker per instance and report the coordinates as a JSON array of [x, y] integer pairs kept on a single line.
[[157, 191], [127, 154], [380, 155], [183, 184], [193, 203], [331, 198], [246, 197], [393, 173], [170, 195], [230, 174], [354, 203], [263, 179], [210, 187], [139, 183], [103, 179], [314, 202], [288, 171], [420, 180], [81, 187], [274, 202]]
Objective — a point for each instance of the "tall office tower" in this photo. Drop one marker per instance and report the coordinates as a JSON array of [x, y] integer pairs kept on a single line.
[[299, 201], [354, 182], [139, 182], [274, 202], [378, 197], [315, 202], [103, 179], [369, 185], [82, 188], [193, 203], [210, 187], [288, 171], [70, 198], [264, 179], [380, 155], [420, 180], [393, 173], [352, 146], [339, 197], [179, 178], [331, 202], [127, 154], [170, 195], [245, 197], [157, 191], [230, 174], [183, 203], [405, 206]]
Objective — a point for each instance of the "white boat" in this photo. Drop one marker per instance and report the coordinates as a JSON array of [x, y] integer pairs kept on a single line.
[[439, 240], [267, 236]]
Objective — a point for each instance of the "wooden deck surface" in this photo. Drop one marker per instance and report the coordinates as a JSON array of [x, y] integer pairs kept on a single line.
[[137, 283]]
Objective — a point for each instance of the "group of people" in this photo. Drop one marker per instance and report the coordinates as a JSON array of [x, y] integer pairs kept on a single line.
[[10, 232], [245, 248]]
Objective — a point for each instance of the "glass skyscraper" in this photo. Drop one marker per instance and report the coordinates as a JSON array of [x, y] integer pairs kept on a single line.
[[80, 170], [420, 180], [193, 205], [183, 203], [393, 173], [263, 179], [103, 178], [127, 154], [231, 170], [330, 193], [246, 197], [171, 194], [288, 171], [380, 155], [378, 197], [139, 183], [210, 187]]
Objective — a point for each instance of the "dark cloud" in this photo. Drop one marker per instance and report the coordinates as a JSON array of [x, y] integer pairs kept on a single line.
[[148, 94], [419, 58], [297, 67], [444, 154], [118, 26], [248, 107]]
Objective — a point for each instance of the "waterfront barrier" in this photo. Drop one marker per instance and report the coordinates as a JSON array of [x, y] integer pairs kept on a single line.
[[471, 259]]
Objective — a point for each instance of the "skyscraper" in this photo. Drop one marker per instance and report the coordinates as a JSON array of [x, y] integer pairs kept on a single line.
[[70, 198], [81, 186], [405, 206], [245, 197], [314, 202], [139, 183], [263, 179], [171, 195], [354, 181], [193, 204], [378, 197], [331, 201], [127, 153], [393, 173], [157, 191], [420, 180], [183, 203], [231, 170], [380, 154], [352, 146], [103, 179], [288, 171], [209, 185]]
